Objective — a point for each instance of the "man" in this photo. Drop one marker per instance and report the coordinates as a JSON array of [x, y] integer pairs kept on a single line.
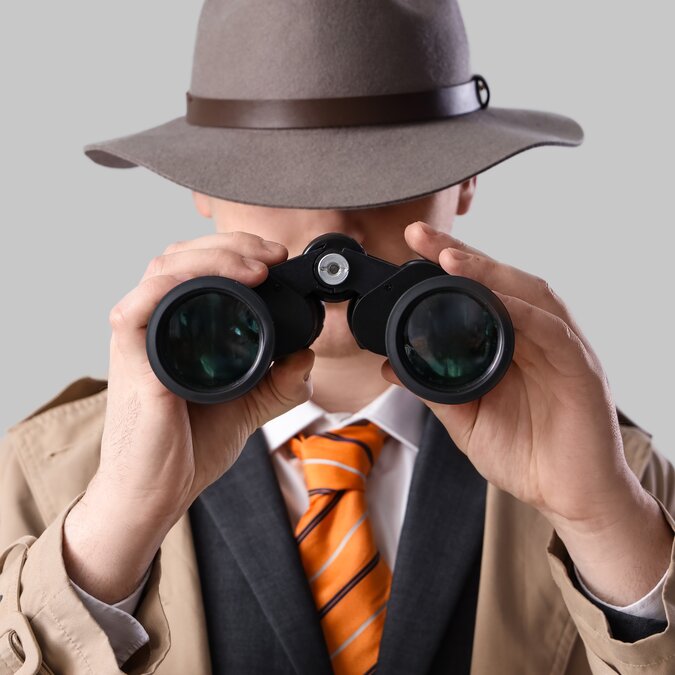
[[527, 532]]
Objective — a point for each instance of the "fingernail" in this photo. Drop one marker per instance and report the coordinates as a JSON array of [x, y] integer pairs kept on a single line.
[[458, 255], [255, 265], [427, 228], [272, 246]]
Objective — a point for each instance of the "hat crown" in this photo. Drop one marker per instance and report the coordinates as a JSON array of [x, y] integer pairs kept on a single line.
[[282, 49]]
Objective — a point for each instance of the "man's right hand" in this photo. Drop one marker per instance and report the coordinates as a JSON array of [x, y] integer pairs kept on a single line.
[[158, 452]]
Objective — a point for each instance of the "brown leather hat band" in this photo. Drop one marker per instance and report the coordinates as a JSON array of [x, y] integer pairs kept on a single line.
[[310, 113]]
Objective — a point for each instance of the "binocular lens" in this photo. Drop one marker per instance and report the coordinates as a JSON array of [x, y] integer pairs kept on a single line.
[[449, 339], [209, 340]]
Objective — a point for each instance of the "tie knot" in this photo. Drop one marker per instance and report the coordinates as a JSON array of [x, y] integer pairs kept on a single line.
[[339, 459]]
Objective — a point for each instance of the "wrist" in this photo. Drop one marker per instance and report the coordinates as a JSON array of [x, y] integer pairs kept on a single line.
[[623, 554], [608, 510], [107, 547]]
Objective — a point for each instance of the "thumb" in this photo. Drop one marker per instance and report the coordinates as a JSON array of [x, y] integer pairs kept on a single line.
[[458, 419], [388, 373], [287, 384]]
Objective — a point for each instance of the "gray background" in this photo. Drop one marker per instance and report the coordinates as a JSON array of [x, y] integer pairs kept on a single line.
[[594, 221]]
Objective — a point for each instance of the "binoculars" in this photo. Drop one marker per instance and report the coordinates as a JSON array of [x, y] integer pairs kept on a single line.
[[449, 339]]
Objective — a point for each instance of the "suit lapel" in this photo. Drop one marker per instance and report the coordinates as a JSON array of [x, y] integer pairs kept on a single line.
[[247, 507], [440, 539]]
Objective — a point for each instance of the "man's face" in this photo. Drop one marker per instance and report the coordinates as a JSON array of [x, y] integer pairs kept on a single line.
[[379, 230]]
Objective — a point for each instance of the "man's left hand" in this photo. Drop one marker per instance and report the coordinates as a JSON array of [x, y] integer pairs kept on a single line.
[[548, 432]]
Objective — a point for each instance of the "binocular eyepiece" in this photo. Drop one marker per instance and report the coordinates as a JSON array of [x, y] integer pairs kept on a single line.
[[449, 339]]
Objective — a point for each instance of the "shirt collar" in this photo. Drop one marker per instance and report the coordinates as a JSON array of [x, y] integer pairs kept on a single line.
[[396, 410]]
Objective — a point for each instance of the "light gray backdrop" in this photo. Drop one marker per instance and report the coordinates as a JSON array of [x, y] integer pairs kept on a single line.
[[595, 221]]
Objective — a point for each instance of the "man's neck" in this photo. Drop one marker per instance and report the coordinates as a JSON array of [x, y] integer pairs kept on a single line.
[[347, 384]]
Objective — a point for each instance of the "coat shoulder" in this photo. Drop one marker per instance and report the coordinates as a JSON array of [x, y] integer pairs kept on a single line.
[[55, 450], [82, 388]]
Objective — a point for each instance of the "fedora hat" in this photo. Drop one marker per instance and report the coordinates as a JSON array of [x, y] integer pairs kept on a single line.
[[333, 104]]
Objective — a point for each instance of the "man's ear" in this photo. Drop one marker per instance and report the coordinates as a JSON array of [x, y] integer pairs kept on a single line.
[[203, 203], [466, 192]]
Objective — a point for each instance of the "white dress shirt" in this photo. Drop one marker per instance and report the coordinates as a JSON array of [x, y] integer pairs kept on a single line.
[[398, 412]]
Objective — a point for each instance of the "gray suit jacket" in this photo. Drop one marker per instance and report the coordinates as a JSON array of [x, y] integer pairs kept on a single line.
[[260, 612]]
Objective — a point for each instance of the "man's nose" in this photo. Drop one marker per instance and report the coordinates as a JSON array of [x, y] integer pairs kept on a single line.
[[323, 221]]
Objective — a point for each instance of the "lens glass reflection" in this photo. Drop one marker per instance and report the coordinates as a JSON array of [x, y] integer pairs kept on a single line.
[[210, 341], [449, 339]]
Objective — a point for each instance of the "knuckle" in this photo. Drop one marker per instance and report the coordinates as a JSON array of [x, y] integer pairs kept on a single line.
[[174, 247], [223, 260], [565, 331], [155, 266], [569, 333], [490, 267], [545, 288], [528, 310], [116, 317], [247, 241], [153, 286]]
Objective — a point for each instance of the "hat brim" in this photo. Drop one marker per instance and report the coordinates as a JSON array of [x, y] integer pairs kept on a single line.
[[337, 167]]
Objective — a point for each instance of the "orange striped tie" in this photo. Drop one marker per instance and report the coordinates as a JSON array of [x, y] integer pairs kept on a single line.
[[349, 580]]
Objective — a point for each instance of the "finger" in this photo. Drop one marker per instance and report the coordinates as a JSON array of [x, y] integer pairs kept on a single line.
[[389, 374], [287, 384], [129, 319], [457, 258], [511, 281], [246, 243], [429, 242], [559, 345], [202, 262], [457, 418]]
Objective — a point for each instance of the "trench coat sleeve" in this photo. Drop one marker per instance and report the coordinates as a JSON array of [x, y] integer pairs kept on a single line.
[[42, 618], [653, 655]]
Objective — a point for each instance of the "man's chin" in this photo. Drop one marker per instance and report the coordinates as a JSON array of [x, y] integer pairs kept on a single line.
[[335, 340]]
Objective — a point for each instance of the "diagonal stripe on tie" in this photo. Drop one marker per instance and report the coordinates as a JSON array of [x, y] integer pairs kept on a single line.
[[361, 574], [337, 496], [340, 547], [358, 631], [335, 463]]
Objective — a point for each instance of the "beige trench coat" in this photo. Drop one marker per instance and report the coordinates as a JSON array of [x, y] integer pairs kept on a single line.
[[530, 618]]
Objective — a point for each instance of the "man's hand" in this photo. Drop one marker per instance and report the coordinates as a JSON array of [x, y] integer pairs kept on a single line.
[[548, 433], [158, 451]]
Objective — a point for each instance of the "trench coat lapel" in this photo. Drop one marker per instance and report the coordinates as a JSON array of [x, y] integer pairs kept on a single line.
[[440, 540], [247, 506], [523, 626]]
